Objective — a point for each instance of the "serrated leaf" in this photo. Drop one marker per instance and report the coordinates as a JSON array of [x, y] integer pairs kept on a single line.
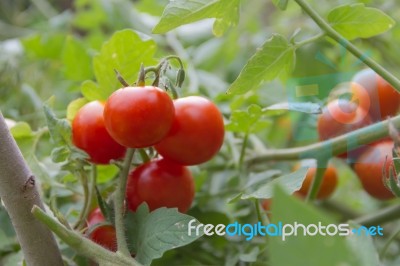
[[247, 121], [281, 4], [125, 52], [228, 16], [358, 21], [21, 130], [76, 60], [60, 154], [60, 129], [154, 233], [273, 57], [181, 12], [92, 91], [332, 250], [74, 106], [279, 108], [290, 182]]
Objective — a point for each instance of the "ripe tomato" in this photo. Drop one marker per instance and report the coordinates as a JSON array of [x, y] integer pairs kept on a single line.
[[369, 168], [385, 100], [160, 183], [138, 117], [95, 217], [89, 134], [197, 132], [340, 117], [328, 185], [105, 236]]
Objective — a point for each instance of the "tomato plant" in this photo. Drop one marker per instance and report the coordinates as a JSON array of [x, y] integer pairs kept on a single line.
[[160, 183], [385, 100], [370, 166], [138, 117], [89, 134], [95, 217], [197, 132]]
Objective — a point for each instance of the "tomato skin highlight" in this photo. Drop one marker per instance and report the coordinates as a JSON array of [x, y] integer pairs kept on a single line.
[[95, 217], [385, 100], [197, 132], [138, 117], [160, 183], [340, 117], [89, 134], [369, 168]]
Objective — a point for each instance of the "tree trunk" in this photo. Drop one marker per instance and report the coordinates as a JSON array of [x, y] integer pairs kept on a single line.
[[19, 193]]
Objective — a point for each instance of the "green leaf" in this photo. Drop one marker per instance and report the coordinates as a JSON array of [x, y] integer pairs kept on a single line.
[[44, 46], [74, 106], [228, 16], [21, 130], [247, 121], [274, 57], [332, 250], [154, 233], [281, 4], [60, 154], [60, 129], [369, 256], [125, 52], [290, 182], [76, 60], [357, 21], [92, 91], [181, 12], [279, 108], [106, 173]]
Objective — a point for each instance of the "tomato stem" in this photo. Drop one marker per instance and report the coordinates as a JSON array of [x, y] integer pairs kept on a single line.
[[142, 76], [331, 147], [336, 36], [119, 203], [322, 164]]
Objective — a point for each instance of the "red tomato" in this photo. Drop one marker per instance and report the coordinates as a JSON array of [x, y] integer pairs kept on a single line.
[[197, 132], [160, 183], [369, 168], [95, 217], [328, 185], [341, 117], [105, 236], [89, 134], [385, 100], [138, 117]]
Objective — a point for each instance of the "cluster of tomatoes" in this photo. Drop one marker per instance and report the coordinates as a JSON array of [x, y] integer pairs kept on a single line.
[[372, 100], [185, 131]]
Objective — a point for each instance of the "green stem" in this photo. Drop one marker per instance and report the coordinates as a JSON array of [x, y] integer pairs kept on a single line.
[[310, 40], [327, 28], [243, 150], [84, 182], [317, 180], [331, 147], [119, 205], [81, 244], [392, 237], [382, 216]]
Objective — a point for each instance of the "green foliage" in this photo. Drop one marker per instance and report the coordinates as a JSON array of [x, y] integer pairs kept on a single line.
[[290, 182], [357, 21], [281, 4], [332, 250], [274, 57], [226, 13], [154, 233], [125, 51]]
